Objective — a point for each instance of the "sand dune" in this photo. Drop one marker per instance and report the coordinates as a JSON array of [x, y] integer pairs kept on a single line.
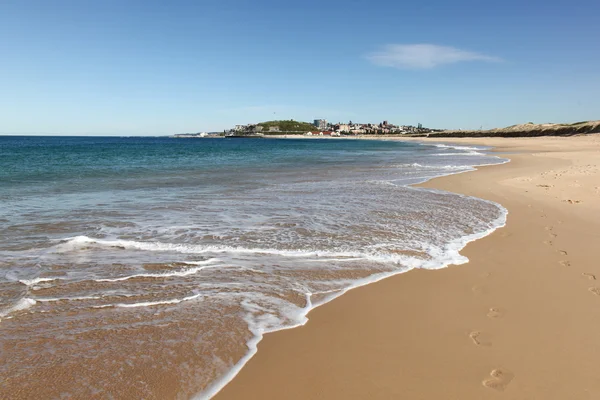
[[527, 130]]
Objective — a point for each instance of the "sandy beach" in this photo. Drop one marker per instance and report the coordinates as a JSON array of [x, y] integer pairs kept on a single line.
[[521, 320]]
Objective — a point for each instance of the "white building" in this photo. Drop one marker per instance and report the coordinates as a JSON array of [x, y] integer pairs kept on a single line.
[[343, 128], [320, 124]]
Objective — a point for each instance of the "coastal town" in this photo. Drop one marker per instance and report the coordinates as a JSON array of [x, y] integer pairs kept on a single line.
[[319, 127]]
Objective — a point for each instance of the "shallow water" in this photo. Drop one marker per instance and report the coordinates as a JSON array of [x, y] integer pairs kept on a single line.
[[150, 267]]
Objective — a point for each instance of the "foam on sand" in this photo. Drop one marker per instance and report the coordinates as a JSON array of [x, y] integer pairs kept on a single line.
[[35, 281], [22, 304], [443, 167], [180, 273], [77, 243], [461, 150], [450, 256], [150, 303]]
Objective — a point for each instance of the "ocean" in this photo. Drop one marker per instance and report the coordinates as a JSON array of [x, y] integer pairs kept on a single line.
[[151, 267]]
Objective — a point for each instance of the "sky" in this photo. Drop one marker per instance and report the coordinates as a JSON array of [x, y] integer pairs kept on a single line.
[[129, 67]]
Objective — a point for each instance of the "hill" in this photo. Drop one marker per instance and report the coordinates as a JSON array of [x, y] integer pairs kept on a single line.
[[287, 126], [528, 129]]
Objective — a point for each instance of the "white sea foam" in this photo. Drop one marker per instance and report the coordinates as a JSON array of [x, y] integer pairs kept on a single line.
[[453, 257], [462, 150], [448, 256], [35, 281], [381, 182], [72, 244], [20, 305], [180, 273], [204, 262], [149, 303], [258, 328], [457, 147], [443, 167], [55, 299], [469, 153]]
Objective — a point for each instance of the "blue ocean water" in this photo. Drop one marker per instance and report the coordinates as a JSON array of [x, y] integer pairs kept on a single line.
[[181, 253]]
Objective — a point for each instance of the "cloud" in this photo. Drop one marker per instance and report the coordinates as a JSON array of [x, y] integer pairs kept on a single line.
[[423, 56]]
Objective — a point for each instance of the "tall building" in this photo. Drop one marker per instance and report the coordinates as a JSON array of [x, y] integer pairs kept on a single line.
[[320, 124]]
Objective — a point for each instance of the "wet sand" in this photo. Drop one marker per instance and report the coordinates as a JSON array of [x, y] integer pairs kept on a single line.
[[521, 320]]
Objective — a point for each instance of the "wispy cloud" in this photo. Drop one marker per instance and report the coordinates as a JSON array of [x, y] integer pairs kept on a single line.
[[423, 56]]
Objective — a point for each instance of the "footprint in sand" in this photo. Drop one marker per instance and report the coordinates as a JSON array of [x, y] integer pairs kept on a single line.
[[595, 290], [565, 263], [548, 242], [479, 290], [563, 253], [591, 277], [573, 201], [549, 228], [480, 338], [495, 313], [553, 235], [500, 378]]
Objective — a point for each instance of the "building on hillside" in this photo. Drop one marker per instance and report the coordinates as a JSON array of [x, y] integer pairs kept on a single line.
[[273, 129], [342, 128], [321, 124]]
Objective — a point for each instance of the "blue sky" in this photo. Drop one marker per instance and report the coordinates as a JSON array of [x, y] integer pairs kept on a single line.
[[147, 67]]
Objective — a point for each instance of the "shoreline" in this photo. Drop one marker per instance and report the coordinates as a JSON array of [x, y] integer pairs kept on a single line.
[[455, 247], [338, 319]]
